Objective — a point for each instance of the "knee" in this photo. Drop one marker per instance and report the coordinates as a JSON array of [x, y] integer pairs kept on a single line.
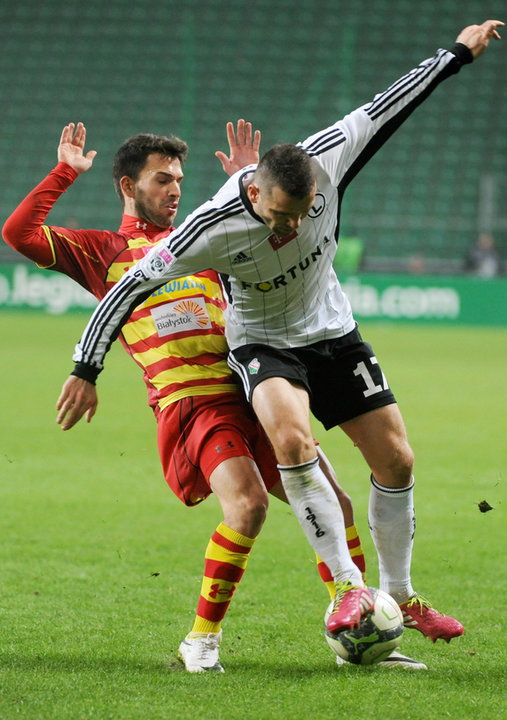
[[247, 513], [293, 446], [255, 507], [398, 470], [403, 466]]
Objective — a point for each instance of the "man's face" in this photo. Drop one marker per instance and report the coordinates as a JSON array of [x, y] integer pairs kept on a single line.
[[157, 190], [282, 213]]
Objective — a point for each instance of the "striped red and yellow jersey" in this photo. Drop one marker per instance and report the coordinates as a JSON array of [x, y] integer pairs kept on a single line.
[[176, 335]]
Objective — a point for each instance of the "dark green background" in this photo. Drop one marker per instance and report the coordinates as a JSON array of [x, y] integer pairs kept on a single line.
[[292, 67]]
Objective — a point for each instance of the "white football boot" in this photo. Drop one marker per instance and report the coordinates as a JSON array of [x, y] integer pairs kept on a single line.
[[199, 652]]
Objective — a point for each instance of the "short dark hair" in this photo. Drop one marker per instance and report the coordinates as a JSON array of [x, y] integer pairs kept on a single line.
[[131, 157], [289, 167]]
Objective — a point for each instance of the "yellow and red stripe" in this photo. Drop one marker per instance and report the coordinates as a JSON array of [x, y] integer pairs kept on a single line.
[[224, 564]]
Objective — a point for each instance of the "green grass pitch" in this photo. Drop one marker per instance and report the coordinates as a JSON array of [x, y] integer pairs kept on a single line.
[[101, 565]]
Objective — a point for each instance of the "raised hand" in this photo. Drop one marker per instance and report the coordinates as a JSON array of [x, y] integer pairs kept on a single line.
[[243, 147], [71, 148], [78, 397], [477, 37]]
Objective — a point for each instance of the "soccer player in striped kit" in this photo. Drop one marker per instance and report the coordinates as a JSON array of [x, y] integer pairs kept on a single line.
[[271, 231], [208, 437]]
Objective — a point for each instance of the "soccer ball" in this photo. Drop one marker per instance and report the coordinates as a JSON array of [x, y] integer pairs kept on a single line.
[[376, 637]]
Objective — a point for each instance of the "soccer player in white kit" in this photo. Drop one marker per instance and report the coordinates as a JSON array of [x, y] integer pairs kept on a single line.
[[272, 232]]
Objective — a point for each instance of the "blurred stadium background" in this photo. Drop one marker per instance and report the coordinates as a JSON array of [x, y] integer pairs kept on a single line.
[[291, 67], [85, 520]]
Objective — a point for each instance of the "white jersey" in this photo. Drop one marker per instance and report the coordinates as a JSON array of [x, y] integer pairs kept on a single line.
[[283, 293]]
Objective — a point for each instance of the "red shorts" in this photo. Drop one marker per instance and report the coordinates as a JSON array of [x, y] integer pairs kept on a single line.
[[196, 434]]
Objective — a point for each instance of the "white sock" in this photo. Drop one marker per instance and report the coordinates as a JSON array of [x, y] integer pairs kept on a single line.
[[392, 525], [319, 513]]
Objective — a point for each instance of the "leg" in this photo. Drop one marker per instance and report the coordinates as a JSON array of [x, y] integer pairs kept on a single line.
[[382, 439], [353, 539], [204, 446], [241, 493], [343, 498], [395, 659], [238, 486], [243, 498], [283, 410]]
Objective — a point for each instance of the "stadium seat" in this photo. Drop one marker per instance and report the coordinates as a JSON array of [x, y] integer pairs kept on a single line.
[[187, 68]]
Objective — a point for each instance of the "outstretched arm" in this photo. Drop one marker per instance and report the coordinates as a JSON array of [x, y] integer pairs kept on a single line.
[[344, 148], [243, 147], [23, 229]]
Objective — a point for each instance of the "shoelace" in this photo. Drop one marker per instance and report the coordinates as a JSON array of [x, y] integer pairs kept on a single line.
[[204, 645], [420, 601], [341, 589]]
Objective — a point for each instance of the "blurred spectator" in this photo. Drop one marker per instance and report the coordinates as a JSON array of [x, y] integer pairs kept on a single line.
[[483, 258], [416, 265]]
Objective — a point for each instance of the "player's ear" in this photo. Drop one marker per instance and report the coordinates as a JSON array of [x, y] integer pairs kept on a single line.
[[253, 192], [127, 186]]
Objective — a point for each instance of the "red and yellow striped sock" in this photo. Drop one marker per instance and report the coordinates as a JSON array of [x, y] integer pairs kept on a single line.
[[224, 564], [356, 552], [326, 576]]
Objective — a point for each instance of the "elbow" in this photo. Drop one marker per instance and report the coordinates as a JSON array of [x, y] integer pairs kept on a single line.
[[33, 246], [14, 234], [9, 233]]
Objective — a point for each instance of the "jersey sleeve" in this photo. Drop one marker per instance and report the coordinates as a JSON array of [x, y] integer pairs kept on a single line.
[[24, 229], [82, 255], [185, 251], [343, 148]]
